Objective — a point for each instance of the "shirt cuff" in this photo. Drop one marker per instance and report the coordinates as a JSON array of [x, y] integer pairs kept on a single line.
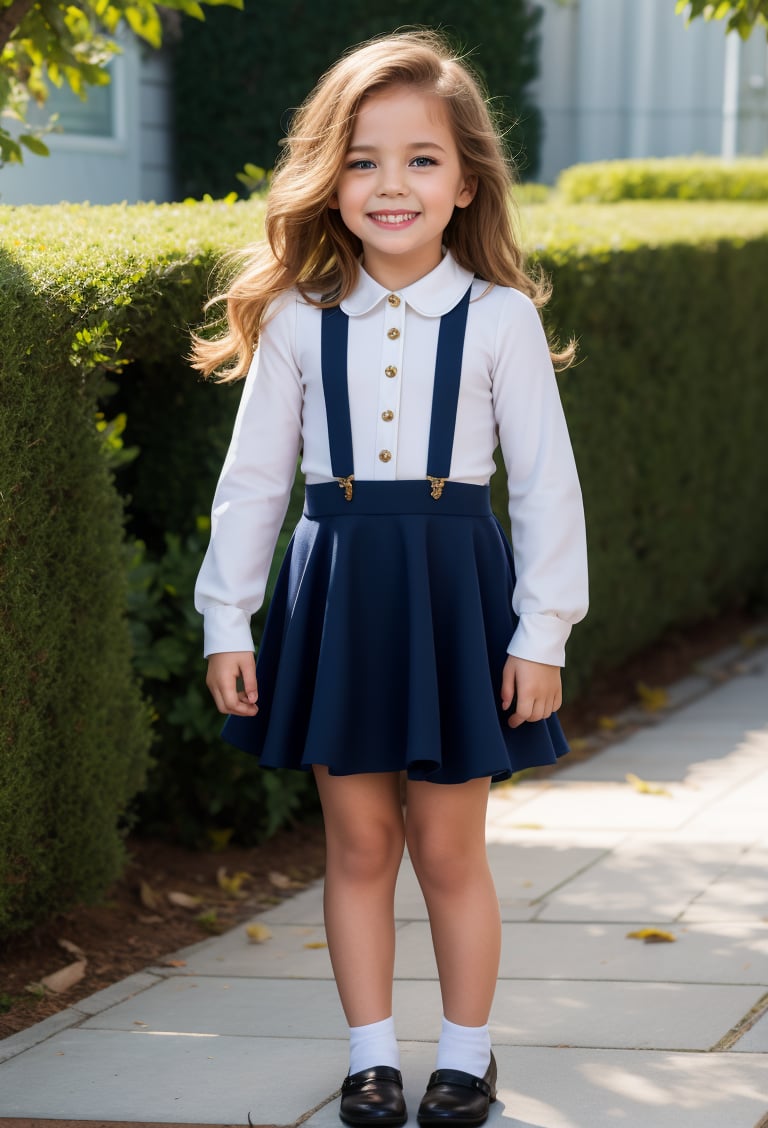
[[226, 630], [540, 638]]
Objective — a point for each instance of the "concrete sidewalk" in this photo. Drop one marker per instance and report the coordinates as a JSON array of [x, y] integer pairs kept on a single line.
[[591, 1029]]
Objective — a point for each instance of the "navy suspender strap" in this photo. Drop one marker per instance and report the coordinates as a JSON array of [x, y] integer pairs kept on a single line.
[[445, 397], [333, 359]]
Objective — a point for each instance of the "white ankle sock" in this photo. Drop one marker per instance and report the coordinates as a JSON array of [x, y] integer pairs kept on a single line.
[[464, 1047], [374, 1044]]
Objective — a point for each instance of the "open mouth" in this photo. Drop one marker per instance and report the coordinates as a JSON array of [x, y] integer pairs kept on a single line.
[[393, 219]]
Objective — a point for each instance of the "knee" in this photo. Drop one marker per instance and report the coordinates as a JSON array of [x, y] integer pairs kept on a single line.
[[367, 853], [444, 862]]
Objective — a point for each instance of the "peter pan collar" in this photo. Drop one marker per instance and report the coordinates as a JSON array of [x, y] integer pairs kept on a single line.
[[432, 296]]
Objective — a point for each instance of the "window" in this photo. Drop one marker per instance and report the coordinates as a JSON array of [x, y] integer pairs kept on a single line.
[[91, 118]]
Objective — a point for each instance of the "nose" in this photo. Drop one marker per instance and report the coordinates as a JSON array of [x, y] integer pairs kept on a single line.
[[391, 181]]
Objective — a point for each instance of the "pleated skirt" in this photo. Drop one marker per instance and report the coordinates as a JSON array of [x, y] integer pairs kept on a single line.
[[386, 638]]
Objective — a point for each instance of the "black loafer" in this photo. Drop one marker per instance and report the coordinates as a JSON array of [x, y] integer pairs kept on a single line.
[[373, 1096], [457, 1098]]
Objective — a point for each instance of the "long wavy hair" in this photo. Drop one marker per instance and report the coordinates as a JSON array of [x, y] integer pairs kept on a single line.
[[307, 245]]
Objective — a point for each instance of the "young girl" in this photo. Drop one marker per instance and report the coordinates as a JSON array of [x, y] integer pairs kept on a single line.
[[398, 342]]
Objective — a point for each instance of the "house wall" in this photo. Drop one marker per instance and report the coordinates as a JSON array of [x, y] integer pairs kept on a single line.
[[628, 78], [134, 163]]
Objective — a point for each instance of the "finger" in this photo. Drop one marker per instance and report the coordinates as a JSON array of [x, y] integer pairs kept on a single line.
[[250, 686], [229, 701], [507, 687], [522, 712]]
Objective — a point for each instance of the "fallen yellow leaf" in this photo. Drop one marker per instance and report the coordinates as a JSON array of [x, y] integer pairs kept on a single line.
[[232, 885], [257, 933], [219, 836], [607, 723], [652, 698], [644, 787], [316, 944], [147, 896], [652, 936]]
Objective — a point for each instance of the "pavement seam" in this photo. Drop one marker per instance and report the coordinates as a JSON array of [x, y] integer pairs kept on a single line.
[[542, 901], [753, 1015]]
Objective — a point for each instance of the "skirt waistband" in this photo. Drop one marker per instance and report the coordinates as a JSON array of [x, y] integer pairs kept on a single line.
[[459, 499]]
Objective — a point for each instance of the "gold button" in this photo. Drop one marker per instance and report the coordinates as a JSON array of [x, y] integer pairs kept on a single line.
[[390, 371], [393, 300], [387, 416], [385, 455], [393, 334]]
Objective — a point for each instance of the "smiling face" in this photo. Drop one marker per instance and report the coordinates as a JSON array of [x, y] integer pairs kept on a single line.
[[400, 181]]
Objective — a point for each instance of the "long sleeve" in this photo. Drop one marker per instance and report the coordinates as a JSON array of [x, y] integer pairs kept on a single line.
[[545, 505], [254, 489]]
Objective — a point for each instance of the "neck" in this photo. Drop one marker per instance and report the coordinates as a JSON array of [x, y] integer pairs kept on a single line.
[[394, 275]]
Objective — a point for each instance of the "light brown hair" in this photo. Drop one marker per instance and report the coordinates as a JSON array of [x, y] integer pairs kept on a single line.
[[307, 244]]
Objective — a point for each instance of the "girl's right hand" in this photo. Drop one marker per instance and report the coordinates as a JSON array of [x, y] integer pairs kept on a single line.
[[221, 679]]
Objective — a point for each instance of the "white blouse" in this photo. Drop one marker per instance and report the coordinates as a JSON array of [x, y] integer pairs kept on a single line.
[[508, 394]]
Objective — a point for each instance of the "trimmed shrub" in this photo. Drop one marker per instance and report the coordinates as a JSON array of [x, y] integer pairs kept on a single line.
[[665, 409], [668, 178], [238, 76], [74, 731]]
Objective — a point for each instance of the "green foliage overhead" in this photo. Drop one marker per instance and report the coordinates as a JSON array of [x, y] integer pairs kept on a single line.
[[238, 78], [743, 16], [68, 43], [667, 178]]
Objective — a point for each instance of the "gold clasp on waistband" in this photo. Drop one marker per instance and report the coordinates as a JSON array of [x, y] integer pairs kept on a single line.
[[346, 485], [437, 486]]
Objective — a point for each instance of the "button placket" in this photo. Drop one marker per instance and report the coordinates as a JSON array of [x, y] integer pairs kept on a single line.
[[390, 381]]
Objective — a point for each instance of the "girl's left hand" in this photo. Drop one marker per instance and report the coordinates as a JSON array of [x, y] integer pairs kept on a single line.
[[535, 686]]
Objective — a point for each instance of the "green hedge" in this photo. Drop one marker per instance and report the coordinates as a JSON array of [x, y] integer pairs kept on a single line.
[[235, 74], [666, 409], [668, 178], [74, 731]]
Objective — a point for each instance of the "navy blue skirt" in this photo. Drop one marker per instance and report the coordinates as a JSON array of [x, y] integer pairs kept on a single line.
[[386, 639]]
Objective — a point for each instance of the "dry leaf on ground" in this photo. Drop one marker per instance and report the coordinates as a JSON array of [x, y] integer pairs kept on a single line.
[[183, 900], [283, 881], [652, 697], [645, 788], [73, 949], [147, 896], [652, 936], [232, 885], [258, 933], [65, 977], [316, 944]]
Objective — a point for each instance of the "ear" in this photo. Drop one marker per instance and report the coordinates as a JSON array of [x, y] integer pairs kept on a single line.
[[466, 193], [334, 201]]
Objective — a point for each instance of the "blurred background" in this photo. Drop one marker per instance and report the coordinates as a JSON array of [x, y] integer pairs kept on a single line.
[[575, 81]]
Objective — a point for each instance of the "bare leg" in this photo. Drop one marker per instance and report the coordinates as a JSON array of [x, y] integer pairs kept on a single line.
[[364, 845], [445, 831]]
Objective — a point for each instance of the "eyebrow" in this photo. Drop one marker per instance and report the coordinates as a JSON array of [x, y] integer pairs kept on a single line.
[[413, 145]]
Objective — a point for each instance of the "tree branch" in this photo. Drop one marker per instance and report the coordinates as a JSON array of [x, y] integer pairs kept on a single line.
[[10, 18]]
